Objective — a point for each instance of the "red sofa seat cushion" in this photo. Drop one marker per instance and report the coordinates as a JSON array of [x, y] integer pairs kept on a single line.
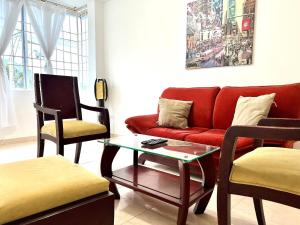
[[172, 133], [203, 103], [216, 136], [287, 102]]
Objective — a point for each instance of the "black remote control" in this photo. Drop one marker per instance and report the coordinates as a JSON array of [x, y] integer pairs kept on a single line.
[[153, 142]]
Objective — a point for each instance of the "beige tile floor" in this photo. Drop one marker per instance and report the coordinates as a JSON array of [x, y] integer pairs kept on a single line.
[[137, 209]]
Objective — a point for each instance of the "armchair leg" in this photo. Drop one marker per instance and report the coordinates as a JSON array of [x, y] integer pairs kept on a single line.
[[259, 210], [40, 147], [60, 149], [224, 208], [78, 151]]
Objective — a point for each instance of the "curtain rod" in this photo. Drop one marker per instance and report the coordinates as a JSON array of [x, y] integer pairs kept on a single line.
[[72, 9]]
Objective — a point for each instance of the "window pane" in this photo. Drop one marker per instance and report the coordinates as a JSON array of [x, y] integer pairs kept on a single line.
[[67, 57], [34, 39], [75, 73], [54, 64], [67, 66], [73, 37], [67, 45], [66, 26], [36, 62], [73, 24], [60, 44], [30, 77], [74, 58], [60, 55], [29, 62], [74, 66], [28, 27], [18, 61], [68, 73], [36, 52], [60, 72], [18, 78], [36, 70], [67, 35], [59, 65]]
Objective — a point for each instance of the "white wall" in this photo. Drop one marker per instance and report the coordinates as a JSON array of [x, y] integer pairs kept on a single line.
[[96, 45], [144, 52]]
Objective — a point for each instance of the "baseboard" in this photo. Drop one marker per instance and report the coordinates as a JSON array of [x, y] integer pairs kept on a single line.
[[17, 140]]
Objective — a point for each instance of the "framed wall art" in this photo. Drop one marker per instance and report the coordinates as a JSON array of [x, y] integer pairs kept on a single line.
[[219, 33]]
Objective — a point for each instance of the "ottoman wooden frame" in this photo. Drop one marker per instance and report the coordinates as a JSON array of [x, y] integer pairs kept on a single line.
[[94, 210]]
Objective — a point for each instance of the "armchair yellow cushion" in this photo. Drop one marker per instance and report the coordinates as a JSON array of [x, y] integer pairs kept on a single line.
[[270, 167], [74, 128], [33, 186]]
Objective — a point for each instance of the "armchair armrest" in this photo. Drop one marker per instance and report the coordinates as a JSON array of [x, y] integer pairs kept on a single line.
[[55, 113], [104, 118], [94, 108], [140, 124], [280, 122], [257, 132], [46, 110]]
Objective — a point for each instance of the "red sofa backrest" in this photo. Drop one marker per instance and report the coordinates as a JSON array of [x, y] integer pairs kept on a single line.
[[287, 101], [203, 103]]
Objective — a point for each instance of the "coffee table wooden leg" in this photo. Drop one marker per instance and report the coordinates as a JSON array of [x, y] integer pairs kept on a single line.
[[209, 176], [135, 158], [184, 172], [202, 203], [107, 158]]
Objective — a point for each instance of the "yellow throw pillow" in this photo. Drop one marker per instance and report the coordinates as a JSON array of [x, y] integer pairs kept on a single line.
[[250, 110], [174, 113]]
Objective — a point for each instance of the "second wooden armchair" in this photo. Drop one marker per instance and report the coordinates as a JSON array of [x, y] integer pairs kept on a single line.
[[269, 173], [57, 99]]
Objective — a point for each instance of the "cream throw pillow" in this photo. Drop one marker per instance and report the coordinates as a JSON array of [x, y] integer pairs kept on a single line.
[[173, 113], [250, 110]]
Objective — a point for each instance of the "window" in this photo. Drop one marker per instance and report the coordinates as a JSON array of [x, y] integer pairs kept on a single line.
[[24, 57]]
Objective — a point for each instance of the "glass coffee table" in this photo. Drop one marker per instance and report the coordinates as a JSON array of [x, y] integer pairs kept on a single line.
[[179, 190]]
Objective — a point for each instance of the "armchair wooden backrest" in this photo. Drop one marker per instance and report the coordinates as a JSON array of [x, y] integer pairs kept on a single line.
[[58, 92]]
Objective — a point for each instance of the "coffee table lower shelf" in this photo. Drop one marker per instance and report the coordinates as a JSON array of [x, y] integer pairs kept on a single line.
[[158, 184]]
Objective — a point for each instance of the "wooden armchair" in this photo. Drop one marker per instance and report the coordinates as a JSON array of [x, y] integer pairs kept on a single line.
[[269, 173], [57, 99]]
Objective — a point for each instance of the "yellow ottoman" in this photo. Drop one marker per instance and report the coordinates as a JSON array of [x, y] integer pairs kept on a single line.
[[32, 186]]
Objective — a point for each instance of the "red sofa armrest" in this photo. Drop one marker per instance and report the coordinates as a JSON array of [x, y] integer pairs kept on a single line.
[[140, 124]]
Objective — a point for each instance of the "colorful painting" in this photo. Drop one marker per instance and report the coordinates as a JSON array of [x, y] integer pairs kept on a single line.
[[219, 33]]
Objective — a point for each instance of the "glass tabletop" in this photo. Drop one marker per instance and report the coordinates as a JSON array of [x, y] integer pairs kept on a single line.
[[181, 150]]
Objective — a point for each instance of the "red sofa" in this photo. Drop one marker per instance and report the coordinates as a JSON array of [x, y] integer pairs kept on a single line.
[[212, 113]]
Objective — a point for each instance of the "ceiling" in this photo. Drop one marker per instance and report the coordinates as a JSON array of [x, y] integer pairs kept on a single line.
[[71, 3]]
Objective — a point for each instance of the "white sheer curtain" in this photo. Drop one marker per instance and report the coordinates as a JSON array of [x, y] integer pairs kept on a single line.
[[9, 12], [47, 21]]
